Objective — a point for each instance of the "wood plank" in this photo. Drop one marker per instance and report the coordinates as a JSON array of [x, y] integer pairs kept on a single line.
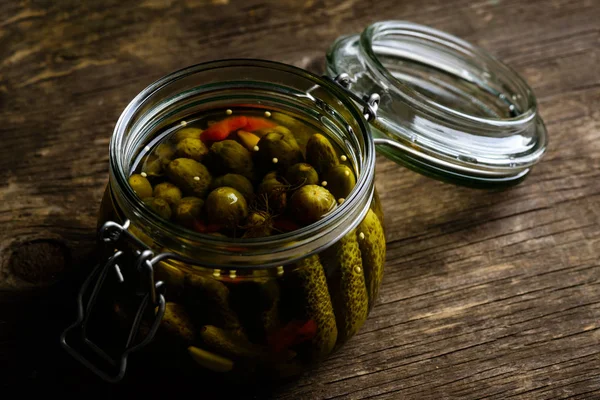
[[486, 294]]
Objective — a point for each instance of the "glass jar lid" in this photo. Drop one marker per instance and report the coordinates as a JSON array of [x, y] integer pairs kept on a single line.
[[447, 108]]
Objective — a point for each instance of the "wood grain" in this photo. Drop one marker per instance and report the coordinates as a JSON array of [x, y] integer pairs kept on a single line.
[[486, 294]]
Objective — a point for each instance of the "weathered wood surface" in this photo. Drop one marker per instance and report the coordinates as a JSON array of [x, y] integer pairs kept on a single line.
[[486, 295]]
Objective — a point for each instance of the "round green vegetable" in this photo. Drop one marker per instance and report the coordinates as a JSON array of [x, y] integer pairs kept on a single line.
[[192, 177], [168, 192], [226, 206], [301, 174], [230, 156], [140, 185], [340, 181], [159, 206], [185, 133], [320, 153], [236, 181], [191, 148], [273, 196], [310, 203], [187, 210], [258, 224], [278, 150]]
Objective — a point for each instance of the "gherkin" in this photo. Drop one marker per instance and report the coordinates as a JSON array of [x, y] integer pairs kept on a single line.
[[309, 276], [340, 181], [277, 150], [190, 176], [140, 185], [159, 206], [236, 181], [347, 285], [228, 156], [371, 239], [177, 324], [208, 300], [191, 148], [320, 153], [229, 343]]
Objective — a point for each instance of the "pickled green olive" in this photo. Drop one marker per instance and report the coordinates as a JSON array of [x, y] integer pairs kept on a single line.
[[168, 192], [192, 177], [140, 185], [310, 203], [226, 206]]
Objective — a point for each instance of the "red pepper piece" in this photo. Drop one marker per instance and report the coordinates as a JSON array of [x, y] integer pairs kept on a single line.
[[200, 226], [221, 130], [285, 225], [255, 123], [295, 332]]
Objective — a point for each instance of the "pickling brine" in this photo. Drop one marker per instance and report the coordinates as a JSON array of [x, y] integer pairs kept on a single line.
[[250, 173]]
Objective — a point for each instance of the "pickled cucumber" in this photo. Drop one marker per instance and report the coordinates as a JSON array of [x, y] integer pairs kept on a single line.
[[159, 206], [208, 300], [236, 181], [168, 192], [347, 286], [177, 324], [191, 148], [340, 181], [188, 210], [310, 278], [192, 177], [371, 239], [140, 185], [228, 156], [320, 153]]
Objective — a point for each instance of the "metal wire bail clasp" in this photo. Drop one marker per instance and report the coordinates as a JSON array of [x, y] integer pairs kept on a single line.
[[370, 103], [122, 241]]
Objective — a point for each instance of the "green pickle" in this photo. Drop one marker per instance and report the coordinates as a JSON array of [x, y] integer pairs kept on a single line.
[[371, 240], [310, 278], [347, 286], [272, 176]]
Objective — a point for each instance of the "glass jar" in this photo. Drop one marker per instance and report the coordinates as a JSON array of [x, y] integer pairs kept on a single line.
[[270, 307]]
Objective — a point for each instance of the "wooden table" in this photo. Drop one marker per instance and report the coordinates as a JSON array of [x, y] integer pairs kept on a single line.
[[486, 294]]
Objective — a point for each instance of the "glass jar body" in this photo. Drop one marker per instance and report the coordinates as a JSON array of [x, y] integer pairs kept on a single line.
[[262, 308], [262, 324]]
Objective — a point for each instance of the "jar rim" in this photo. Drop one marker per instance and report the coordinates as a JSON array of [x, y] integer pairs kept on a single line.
[[247, 247]]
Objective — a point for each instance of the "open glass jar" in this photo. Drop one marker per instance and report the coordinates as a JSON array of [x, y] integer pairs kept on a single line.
[[270, 307]]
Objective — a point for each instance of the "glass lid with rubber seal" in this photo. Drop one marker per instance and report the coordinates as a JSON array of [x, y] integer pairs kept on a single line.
[[447, 109]]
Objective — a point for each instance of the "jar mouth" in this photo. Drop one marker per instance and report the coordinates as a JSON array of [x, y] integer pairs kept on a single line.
[[438, 71], [242, 81]]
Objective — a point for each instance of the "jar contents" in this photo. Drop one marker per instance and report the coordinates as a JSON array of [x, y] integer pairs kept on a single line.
[[243, 174]]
